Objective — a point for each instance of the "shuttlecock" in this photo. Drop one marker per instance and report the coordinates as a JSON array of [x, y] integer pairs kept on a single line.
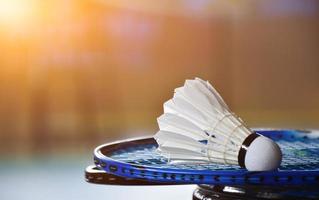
[[198, 126]]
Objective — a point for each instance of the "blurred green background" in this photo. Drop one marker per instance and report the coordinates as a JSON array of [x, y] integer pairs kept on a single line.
[[75, 74]]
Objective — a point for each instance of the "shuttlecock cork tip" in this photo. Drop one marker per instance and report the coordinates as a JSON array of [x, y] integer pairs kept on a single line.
[[262, 154]]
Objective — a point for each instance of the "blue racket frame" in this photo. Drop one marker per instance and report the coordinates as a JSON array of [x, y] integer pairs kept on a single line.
[[138, 159]]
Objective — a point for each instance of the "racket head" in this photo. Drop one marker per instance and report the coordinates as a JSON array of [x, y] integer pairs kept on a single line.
[[253, 192], [98, 176], [138, 159]]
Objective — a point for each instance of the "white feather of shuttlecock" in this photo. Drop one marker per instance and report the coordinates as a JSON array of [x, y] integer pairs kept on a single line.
[[198, 126]]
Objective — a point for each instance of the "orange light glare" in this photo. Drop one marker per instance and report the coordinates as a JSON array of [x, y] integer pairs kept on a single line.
[[16, 12]]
